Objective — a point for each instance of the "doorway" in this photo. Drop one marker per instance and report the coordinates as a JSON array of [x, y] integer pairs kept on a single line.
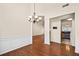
[[38, 32], [62, 29], [66, 30]]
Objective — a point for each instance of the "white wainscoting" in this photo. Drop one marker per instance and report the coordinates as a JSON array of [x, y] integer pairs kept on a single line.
[[9, 44]]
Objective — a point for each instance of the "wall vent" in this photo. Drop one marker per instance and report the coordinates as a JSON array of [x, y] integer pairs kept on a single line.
[[65, 5]]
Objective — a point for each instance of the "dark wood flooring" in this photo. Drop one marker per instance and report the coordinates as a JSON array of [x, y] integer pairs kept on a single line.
[[38, 48]]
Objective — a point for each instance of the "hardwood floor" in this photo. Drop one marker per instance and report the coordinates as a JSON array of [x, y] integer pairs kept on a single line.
[[38, 48], [62, 49]]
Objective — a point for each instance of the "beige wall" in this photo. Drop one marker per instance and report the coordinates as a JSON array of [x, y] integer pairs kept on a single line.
[[37, 29], [13, 20], [15, 30], [73, 33]]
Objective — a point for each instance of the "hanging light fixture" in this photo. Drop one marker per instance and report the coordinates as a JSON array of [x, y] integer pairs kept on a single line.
[[34, 18]]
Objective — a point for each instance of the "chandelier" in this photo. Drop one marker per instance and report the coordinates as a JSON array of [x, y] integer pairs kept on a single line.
[[34, 18]]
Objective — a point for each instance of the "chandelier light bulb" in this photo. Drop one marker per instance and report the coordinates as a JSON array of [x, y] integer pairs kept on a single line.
[[30, 16], [40, 18], [37, 20], [36, 16]]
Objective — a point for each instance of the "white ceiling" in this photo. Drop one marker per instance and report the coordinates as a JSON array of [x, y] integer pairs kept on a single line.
[[52, 10]]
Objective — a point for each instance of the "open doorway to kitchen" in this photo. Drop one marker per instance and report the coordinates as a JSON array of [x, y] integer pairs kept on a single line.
[[62, 29], [66, 30]]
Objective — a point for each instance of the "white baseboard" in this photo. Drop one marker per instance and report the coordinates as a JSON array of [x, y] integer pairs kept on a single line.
[[56, 42], [76, 51], [9, 44]]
